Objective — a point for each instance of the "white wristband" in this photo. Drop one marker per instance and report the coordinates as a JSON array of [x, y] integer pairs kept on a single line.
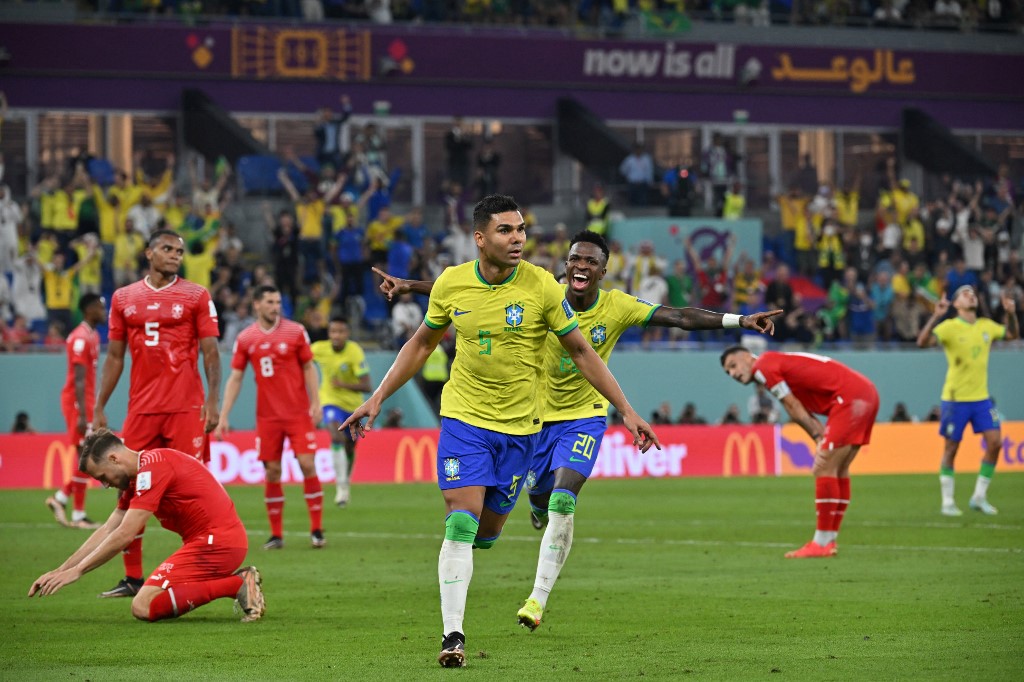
[[730, 321]]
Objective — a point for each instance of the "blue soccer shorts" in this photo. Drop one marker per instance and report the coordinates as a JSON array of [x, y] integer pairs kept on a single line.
[[956, 415], [570, 444], [470, 455], [333, 413]]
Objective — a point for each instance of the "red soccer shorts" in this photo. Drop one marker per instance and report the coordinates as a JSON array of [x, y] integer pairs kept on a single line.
[[850, 422], [270, 437], [184, 431], [198, 562]]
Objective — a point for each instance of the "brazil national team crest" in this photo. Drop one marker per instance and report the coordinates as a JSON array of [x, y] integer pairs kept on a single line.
[[514, 317], [598, 334], [451, 469]]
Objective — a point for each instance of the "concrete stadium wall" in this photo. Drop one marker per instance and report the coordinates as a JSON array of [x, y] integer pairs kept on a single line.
[[32, 382]]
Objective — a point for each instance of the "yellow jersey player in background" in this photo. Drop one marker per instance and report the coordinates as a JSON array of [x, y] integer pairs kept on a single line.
[[575, 413], [967, 339], [502, 309], [344, 379]]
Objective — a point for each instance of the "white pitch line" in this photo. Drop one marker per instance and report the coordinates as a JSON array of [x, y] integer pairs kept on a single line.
[[596, 541]]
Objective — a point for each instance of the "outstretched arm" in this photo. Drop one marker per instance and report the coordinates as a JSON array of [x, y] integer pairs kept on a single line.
[[128, 524], [395, 286], [925, 338], [699, 319], [409, 361], [600, 377], [231, 390]]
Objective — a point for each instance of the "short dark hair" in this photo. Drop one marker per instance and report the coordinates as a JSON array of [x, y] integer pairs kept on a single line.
[[95, 445], [591, 237], [338, 318], [161, 233], [258, 292], [87, 300], [732, 349], [492, 205]]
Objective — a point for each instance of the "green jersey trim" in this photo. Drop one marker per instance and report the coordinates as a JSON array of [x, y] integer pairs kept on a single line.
[[568, 328], [476, 270], [434, 326], [647, 320]]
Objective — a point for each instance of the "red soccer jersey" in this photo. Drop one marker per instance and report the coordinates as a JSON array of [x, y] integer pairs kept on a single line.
[[162, 328], [277, 356], [186, 498], [83, 346], [818, 382]]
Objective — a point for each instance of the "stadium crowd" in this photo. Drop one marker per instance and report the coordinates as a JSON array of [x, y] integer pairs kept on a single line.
[[840, 276], [609, 16]]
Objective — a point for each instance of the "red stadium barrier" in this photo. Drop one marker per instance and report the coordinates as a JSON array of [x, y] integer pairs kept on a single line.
[[409, 455]]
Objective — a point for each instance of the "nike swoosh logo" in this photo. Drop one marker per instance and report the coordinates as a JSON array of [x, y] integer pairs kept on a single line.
[[576, 459], [505, 504], [462, 312], [452, 582], [555, 548]]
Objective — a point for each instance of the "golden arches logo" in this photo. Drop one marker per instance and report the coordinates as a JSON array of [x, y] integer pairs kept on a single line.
[[742, 445], [68, 458], [422, 453]]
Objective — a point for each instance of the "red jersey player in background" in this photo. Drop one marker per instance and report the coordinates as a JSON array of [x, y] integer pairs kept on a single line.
[[806, 385], [186, 498], [76, 402], [287, 404], [163, 321]]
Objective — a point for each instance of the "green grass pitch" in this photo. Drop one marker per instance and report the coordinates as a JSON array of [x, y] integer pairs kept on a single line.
[[668, 579]]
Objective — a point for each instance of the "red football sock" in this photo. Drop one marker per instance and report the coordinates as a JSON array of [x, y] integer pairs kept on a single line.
[[314, 495], [79, 482], [826, 496], [844, 502], [133, 557], [274, 499], [180, 599]]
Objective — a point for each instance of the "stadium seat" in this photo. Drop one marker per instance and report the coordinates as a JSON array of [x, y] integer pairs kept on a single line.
[[101, 171], [258, 174]]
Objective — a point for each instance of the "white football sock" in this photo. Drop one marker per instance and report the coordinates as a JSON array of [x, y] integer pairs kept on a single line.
[[77, 515], [981, 488], [60, 497], [946, 483], [454, 571], [554, 550]]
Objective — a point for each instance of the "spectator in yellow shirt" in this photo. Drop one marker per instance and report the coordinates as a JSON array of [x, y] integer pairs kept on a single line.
[[58, 289], [309, 210], [128, 248], [90, 259], [735, 202], [379, 235], [199, 262]]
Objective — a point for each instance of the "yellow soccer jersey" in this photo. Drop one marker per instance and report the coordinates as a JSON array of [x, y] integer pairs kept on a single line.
[[499, 343], [967, 346], [568, 395], [347, 365]]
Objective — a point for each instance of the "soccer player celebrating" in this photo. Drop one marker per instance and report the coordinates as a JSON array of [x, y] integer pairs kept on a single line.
[[967, 340], [76, 402], [163, 321], [574, 413], [344, 378], [286, 405], [808, 384], [502, 308], [186, 498]]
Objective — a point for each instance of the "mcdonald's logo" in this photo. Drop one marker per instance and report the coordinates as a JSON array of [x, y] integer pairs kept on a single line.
[[422, 453], [68, 458], [742, 445]]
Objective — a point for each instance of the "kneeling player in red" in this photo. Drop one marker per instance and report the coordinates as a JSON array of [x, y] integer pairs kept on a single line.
[[187, 500], [808, 384]]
